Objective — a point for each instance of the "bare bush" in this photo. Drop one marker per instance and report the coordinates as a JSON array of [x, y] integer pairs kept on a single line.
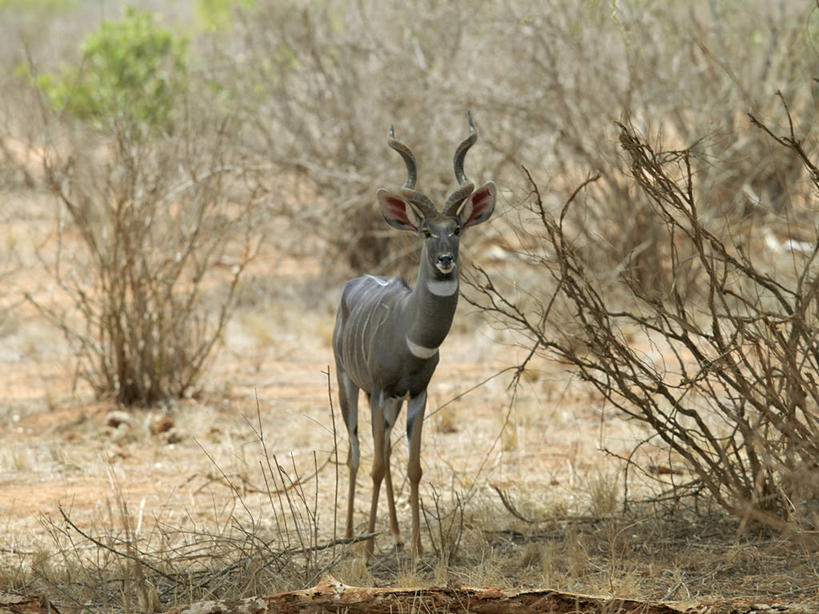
[[722, 363], [155, 217], [154, 236], [681, 71], [319, 84]]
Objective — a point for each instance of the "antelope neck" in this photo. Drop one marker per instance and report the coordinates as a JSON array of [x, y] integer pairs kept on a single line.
[[429, 309]]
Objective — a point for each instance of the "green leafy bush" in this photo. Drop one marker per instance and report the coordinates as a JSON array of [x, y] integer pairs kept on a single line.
[[216, 14], [29, 5], [132, 71]]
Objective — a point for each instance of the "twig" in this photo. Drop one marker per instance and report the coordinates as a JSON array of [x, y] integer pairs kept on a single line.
[[111, 549], [339, 541], [511, 508], [335, 452]]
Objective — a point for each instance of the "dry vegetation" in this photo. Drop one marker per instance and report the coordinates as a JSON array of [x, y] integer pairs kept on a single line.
[[627, 404]]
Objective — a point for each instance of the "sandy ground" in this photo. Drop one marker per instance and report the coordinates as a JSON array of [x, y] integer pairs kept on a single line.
[[61, 447], [262, 419]]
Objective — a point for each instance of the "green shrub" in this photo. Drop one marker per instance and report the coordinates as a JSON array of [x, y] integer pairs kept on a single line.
[[29, 5], [216, 14], [132, 71]]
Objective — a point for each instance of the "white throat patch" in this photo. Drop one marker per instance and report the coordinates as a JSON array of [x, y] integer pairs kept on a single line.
[[443, 287], [419, 351]]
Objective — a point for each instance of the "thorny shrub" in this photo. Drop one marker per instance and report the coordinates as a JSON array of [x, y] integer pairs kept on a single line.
[[721, 361]]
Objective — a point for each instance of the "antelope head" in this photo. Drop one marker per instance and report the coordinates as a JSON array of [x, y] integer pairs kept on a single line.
[[409, 209]]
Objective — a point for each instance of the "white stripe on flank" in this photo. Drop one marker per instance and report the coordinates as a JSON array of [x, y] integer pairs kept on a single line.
[[380, 282], [419, 351], [446, 287]]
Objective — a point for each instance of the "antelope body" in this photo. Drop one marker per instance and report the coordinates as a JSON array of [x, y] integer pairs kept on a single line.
[[387, 334]]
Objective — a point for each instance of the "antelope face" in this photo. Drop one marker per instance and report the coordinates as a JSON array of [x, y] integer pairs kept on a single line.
[[441, 232], [409, 209], [441, 236]]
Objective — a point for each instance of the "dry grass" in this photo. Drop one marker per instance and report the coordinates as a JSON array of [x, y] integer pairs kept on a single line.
[[196, 515]]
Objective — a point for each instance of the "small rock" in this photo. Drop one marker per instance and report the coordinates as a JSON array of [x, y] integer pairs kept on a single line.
[[173, 437], [123, 434], [161, 424], [118, 417]]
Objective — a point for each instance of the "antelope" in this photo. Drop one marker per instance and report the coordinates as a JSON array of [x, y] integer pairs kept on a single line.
[[387, 334]]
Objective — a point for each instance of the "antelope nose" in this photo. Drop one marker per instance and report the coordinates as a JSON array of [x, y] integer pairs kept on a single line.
[[445, 262]]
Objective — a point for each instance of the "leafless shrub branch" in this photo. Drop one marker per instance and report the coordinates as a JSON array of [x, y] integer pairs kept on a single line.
[[152, 243], [445, 527], [724, 363]]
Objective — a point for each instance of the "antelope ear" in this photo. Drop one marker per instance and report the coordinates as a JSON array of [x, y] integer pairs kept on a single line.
[[479, 206], [398, 212]]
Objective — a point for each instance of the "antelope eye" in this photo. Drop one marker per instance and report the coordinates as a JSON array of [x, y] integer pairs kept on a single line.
[[456, 231], [426, 232]]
